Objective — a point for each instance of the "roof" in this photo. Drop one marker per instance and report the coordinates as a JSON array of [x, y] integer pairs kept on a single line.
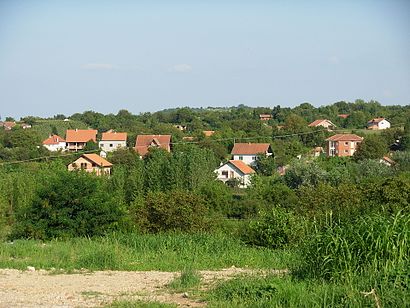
[[265, 115], [376, 120], [250, 148], [8, 124], [97, 159], [208, 133], [81, 135], [53, 139], [113, 136], [244, 168], [318, 122], [143, 142], [344, 137], [343, 115], [389, 160]]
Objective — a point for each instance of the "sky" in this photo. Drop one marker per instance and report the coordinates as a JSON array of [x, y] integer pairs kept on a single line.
[[62, 57]]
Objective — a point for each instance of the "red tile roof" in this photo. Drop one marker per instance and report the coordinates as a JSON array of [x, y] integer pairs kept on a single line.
[[143, 142], [375, 120], [318, 122], [8, 124], [81, 135], [244, 168], [343, 115], [250, 148], [389, 160], [98, 160], [113, 136], [345, 137], [53, 139]]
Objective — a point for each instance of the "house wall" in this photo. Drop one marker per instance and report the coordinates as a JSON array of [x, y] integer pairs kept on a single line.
[[55, 147], [75, 146], [341, 148], [248, 159], [384, 124], [109, 146]]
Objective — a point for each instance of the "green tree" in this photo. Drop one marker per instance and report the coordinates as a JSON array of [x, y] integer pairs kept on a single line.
[[372, 147]]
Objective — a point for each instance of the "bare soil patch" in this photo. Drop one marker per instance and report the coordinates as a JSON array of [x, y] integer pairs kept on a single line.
[[45, 289]]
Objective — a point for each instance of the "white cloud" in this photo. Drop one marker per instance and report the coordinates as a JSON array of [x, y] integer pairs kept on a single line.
[[181, 68], [99, 66]]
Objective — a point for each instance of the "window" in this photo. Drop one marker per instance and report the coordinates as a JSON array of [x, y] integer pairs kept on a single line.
[[111, 145], [346, 151], [253, 157], [225, 174], [346, 143], [83, 166], [240, 157], [232, 175]]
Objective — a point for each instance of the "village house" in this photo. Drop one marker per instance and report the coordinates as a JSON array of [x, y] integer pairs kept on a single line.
[[92, 163], [235, 170], [343, 115], [248, 152], [7, 125], [208, 133], [387, 161], [76, 139], [322, 122], [25, 125], [54, 143], [180, 127], [317, 151], [342, 145], [144, 142], [111, 141], [378, 123], [265, 117]]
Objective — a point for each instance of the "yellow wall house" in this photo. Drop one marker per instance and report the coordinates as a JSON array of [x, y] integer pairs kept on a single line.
[[91, 163]]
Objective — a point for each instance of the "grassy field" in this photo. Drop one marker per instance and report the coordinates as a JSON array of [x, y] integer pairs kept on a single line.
[[165, 252], [45, 127]]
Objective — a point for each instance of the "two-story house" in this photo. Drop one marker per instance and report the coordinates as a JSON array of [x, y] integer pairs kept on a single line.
[[248, 152], [111, 141], [342, 144], [76, 139]]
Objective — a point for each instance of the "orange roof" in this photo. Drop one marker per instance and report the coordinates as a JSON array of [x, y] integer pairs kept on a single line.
[[97, 159], [143, 142], [375, 120], [250, 148], [389, 160], [53, 139], [244, 168], [8, 124], [345, 137], [318, 122], [208, 133], [81, 135], [343, 115], [113, 136]]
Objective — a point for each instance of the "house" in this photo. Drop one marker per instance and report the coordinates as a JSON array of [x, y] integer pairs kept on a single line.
[[54, 143], [180, 127], [76, 139], [111, 141], [322, 122], [8, 125], [248, 152], [317, 151], [342, 144], [387, 161], [92, 163], [208, 133], [378, 123], [235, 170], [25, 125], [144, 142], [265, 117]]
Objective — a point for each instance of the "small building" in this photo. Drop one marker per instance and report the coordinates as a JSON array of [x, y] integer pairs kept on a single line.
[[378, 123], [317, 151], [180, 127], [25, 125], [265, 117], [343, 115], [322, 122], [76, 139], [342, 145], [111, 141], [248, 152], [235, 170], [208, 133], [387, 161], [8, 125], [144, 142], [92, 163], [54, 143]]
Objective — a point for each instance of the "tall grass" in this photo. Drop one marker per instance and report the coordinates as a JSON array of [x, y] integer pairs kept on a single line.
[[167, 252]]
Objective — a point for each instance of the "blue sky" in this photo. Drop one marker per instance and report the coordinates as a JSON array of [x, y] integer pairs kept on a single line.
[[71, 56]]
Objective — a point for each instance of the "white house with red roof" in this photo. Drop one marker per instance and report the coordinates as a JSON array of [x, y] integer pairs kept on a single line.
[[248, 152], [235, 170], [111, 141], [54, 143], [378, 123]]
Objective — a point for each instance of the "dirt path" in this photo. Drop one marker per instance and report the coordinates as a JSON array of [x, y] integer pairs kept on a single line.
[[44, 289]]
